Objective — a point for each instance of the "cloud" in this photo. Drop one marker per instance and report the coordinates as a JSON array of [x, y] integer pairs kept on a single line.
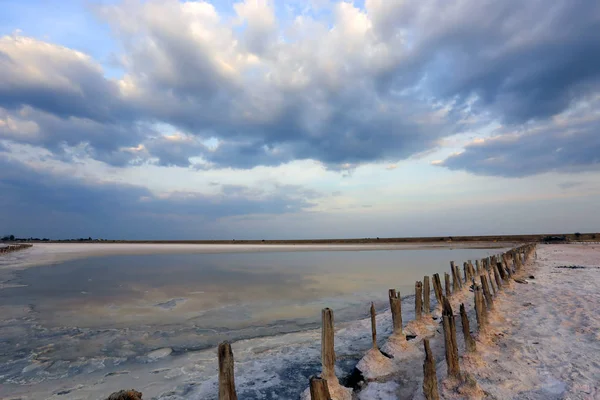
[[53, 205], [567, 143], [569, 185], [351, 85], [56, 80], [517, 60]]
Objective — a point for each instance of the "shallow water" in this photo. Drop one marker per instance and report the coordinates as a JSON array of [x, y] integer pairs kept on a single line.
[[96, 317]]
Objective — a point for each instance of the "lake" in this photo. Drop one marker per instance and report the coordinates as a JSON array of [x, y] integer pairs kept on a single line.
[[96, 317]]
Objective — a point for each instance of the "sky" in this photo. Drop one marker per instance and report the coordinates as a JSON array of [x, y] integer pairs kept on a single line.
[[257, 119]]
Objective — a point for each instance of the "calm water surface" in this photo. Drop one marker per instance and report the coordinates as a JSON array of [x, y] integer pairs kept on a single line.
[[119, 309]]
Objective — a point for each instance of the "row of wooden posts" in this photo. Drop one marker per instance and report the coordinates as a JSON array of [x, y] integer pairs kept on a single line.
[[487, 277], [14, 247]]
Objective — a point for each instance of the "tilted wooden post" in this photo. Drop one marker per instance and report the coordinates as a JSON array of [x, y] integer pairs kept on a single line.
[[469, 341], [437, 288], [319, 389], [430, 385], [480, 309], [447, 284], [327, 345], [426, 295], [477, 267], [506, 264], [450, 339], [226, 377], [418, 300], [502, 271], [466, 272], [373, 326], [396, 308], [497, 276], [486, 292]]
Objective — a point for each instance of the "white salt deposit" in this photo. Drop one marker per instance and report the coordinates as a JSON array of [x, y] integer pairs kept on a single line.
[[542, 343]]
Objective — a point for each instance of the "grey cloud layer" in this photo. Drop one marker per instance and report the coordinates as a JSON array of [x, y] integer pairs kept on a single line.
[[58, 206], [569, 143], [278, 91]]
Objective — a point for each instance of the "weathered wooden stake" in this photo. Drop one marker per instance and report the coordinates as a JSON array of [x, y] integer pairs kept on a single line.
[[466, 272], [319, 389], [458, 277], [327, 345], [486, 292], [418, 300], [489, 275], [506, 263], [478, 267], [450, 339], [455, 282], [471, 270], [426, 295], [480, 310], [396, 308], [469, 341], [373, 326], [497, 276], [502, 271], [447, 284], [226, 377], [437, 288], [430, 385], [518, 260]]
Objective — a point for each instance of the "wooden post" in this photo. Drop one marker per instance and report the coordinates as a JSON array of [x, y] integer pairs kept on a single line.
[[447, 284], [437, 288], [486, 292], [488, 274], [327, 345], [471, 270], [396, 308], [373, 326], [502, 271], [497, 276], [478, 267], [450, 339], [430, 385], [455, 282], [418, 300], [466, 272], [480, 310], [426, 295], [319, 389], [518, 263], [226, 377], [506, 263], [469, 341]]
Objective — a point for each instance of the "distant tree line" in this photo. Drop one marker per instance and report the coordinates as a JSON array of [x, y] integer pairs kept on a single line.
[[12, 238]]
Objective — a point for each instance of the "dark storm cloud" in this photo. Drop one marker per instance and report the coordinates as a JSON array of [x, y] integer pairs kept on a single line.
[[362, 92], [34, 201]]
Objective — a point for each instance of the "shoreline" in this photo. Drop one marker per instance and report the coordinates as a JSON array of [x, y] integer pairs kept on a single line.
[[49, 253], [537, 237]]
